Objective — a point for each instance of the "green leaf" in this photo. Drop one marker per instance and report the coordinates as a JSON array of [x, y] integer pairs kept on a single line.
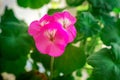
[[14, 39], [72, 59], [79, 73], [16, 67], [106, 20], [38, 57], [106, 65], [116, 52], [91, 44], [34, 4], [111, 33], [86, 24], [117, 10], [74, 2], [15, 43], [52, 11], [89, 78], [104, 5], [8, 16]]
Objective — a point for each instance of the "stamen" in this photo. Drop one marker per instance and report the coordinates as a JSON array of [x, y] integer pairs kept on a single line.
[[51, 34], [65, 22]]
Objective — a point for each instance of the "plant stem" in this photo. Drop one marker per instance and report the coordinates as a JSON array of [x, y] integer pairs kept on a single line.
[[51, 67]]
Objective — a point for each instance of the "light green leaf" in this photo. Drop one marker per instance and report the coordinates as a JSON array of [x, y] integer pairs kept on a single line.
[[116, 10]]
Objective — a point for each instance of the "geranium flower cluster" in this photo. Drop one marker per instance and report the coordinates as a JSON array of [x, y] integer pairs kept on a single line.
[[52, 33]]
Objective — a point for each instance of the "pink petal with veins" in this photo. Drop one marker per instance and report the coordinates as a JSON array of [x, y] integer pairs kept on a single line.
[[51, 40], [46, 19], [53, 33], [72, 33], [67, 21]]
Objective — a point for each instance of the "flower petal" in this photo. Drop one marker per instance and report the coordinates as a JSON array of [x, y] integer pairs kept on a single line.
[[65, 18], [46, 19], [72, 33], [70, 17], [67, 21], [56, 50], [41, 43], [53, 48], [34, 28]]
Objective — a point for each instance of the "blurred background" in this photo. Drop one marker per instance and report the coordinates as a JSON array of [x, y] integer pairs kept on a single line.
[[29, 14], [12, 9], [94, 55]]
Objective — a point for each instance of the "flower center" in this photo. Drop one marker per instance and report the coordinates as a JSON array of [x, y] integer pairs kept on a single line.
[[65, 22], [51, 34]]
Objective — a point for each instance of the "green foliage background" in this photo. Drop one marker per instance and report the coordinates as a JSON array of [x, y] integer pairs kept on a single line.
[[95, 27]]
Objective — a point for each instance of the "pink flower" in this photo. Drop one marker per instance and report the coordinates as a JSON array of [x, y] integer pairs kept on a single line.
[[36, 25], [50, 39], [67, 21], [53, 33]]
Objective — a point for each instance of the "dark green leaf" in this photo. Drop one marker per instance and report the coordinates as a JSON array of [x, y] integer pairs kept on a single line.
[[8, 16], [78, 73], [14, 39], [72, 59], [111, 33], [106, 19], [86, 24], [104, 5], [52, 11], [38, 57], [16, 67], [90, 78], [32, 3], [106, 65], [15, 43], [116, 52], [74, 2]]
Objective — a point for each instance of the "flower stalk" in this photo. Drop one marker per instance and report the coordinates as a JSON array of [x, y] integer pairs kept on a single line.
[[51, 67]]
